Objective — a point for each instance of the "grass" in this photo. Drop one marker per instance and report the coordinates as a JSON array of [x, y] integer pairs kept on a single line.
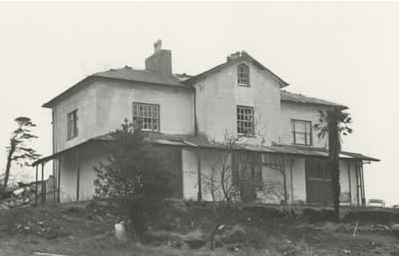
[[86, 228]]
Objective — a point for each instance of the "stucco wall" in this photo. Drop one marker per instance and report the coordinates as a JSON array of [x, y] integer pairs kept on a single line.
[[348, 182], [103, 106], [90, 156], [85, 102], [115, 103], [300, 112], [218, 95], [211, 165], [295, 175]]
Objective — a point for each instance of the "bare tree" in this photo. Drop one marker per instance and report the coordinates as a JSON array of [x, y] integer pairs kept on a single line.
[[226, 186], [220, 185]]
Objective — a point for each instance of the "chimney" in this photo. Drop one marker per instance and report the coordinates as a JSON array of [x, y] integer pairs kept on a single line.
[[160, 61]]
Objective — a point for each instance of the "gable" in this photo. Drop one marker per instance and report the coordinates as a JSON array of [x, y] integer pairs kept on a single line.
[[243, 57]]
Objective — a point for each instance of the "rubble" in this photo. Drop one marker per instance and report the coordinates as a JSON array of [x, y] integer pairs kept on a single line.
[[22, 196]]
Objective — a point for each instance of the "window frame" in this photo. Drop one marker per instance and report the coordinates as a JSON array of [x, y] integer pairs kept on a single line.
[[308, 141], [252, 133], [72, 124], [247, 84], [158, 117]]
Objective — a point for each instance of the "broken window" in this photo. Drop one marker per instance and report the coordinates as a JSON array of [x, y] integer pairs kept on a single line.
[[147, 115], [302, 132], [243, 75], [245, 120], [72, 124]]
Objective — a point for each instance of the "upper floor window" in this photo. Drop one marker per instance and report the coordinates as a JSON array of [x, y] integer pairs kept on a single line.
[[147, 115], [72, 124], [302, 132], [245, 120], [243, 75]]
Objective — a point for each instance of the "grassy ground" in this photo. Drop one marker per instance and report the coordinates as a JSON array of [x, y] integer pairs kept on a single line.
[[181, 229]]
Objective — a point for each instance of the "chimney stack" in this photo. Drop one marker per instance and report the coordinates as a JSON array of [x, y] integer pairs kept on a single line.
[[160, 61], [157, 46]]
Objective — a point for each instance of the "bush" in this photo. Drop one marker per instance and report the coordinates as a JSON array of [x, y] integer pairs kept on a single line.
[[135, 175]]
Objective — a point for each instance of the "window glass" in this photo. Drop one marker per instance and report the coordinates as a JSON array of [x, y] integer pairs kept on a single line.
[[245, 120], [302, 132], [147, 115]]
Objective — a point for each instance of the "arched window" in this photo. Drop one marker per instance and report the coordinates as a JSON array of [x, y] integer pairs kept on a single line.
[[243, 75]]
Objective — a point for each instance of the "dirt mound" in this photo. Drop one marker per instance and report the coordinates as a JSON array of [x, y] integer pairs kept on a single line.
[[382, 216]]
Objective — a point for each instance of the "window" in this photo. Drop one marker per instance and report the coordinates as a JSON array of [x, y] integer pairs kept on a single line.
[[72, 124], [245, 120], [302, 132], [243, 75], [147, 115]]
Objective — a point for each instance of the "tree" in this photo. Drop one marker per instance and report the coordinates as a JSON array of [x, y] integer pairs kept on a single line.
[[334, 123], [134, 173], [18, 151], [220, 185], [227, 188]]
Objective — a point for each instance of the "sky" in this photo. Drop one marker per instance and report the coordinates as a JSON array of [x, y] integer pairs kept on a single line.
[[346, 52]]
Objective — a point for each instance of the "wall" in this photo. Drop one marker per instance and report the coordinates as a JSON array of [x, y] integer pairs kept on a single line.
[[300, 112], [94, 153], [104, 105], [211, 166], [115, 103], [348, 182], [295, 175], [217, 98], [90, 156], [85, 102]]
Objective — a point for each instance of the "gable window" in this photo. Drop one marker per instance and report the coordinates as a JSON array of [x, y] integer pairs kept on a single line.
[[147, 115], [243, 75], [302, 132], [245, 120], [72, 124]]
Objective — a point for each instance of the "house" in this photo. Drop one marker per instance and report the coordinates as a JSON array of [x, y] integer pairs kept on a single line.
[[188, 117]]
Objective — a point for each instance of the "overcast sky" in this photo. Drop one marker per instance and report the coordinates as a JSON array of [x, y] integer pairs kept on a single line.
[[343, 52]]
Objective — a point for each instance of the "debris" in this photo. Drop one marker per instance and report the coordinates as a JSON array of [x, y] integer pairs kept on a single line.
[[120, 231], [46, 254], [346, 252], [395, 229], [18, 191]]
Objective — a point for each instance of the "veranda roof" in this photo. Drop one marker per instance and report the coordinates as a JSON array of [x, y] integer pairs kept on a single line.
[[191, 141]]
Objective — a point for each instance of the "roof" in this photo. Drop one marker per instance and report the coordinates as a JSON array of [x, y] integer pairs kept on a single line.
[[302, 99], [148, 76], [128, 74], [191, 141], [238, 57]]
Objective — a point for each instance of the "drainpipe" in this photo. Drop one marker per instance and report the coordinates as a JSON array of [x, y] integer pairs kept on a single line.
[[199, 197], [357, 182], [195, 113]]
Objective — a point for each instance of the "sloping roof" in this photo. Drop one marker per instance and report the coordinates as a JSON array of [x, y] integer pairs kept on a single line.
[[299, 98], [147, 76], [126, 73], [191, 141], [241, 56]]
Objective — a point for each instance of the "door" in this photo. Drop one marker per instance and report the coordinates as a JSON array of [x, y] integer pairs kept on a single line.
[[248, 174], [318, 182]]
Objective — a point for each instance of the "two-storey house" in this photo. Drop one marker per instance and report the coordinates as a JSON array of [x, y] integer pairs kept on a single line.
[[188, 117]]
